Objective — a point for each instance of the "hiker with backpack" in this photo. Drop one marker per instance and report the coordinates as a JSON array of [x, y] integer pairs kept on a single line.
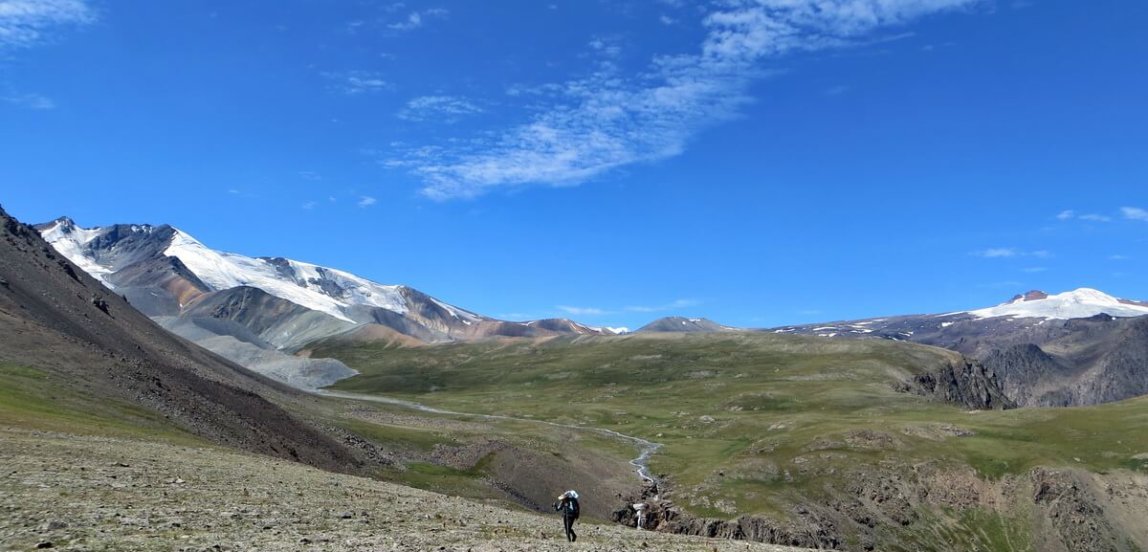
[[568, 505]]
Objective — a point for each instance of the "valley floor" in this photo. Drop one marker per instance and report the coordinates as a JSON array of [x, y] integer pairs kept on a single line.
[[88, 493]]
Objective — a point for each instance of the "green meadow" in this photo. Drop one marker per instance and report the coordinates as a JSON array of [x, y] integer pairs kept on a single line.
[[750, 422]]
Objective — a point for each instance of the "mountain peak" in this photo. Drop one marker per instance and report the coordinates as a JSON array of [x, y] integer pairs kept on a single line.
[[1078, 303], [1034, 295], [683, 324], [65, 223]]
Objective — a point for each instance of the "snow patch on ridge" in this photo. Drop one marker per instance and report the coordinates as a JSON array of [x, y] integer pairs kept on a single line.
[[69, 240]]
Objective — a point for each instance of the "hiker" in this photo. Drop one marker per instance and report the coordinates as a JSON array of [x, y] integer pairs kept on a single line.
[[568, 505]]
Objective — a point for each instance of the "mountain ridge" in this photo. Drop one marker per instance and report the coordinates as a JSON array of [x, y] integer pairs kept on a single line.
[[275, 306], [64, 325], [1078, 347]]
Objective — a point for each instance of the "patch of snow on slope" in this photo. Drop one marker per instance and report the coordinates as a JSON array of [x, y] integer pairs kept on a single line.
[[1079, 303], [466, 316], [70, 241]]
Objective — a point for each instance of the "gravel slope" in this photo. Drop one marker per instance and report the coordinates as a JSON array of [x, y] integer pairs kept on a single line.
[[94, 493]]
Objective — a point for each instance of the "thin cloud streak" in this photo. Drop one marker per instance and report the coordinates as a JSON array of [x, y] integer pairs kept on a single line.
[[583, 311], [595, 311], [1090, 217], [1134, 213], [447, 109], [607, 120], [31, 101], [353, 83], [1010, 252], [679, 304], [997, 253], [25, 23]]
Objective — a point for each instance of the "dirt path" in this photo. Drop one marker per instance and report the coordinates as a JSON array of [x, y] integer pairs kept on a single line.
[[646, 448]]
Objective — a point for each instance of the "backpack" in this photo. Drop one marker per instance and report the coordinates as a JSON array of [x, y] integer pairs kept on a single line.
[[572, 507]]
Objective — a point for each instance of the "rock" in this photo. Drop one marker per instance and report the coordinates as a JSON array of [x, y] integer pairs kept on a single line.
[[44, 544], [53, 525], [966, 383]]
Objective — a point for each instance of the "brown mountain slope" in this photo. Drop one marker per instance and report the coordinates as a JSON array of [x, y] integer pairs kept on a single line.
[[56, 319]]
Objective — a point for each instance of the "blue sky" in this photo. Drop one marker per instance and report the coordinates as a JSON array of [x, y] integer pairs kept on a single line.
[[757, 162]]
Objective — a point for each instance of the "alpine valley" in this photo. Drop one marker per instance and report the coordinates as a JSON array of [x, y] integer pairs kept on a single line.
[[331, 394]]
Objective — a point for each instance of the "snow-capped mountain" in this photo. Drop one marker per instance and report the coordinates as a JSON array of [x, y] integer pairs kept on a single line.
[[241, 307], [1079, 303], [105, 252], [1072, 348]]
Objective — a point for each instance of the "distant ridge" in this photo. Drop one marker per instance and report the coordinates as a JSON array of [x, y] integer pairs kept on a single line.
[[683, 324], [1078, 347]]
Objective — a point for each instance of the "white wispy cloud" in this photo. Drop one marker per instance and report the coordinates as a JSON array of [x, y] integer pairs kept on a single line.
[[606, 120], [1010, 252], [678, 304], [1035, 269], [583, 311], [1119, 257], [25, 23], [30, 101], [1134, 213], [447, 109], [417, 19], [606, 46], [997, 253], [367, 201], [597, 311], [1090, 217], [354, 83]]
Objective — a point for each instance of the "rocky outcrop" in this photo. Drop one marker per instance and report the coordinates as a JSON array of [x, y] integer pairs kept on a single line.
[[963, 382], [1056, 510], [1073, 512], [1097, 360]]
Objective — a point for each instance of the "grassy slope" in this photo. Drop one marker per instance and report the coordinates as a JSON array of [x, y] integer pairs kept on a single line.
[[115, 494], [34, 399], [751, 423]]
